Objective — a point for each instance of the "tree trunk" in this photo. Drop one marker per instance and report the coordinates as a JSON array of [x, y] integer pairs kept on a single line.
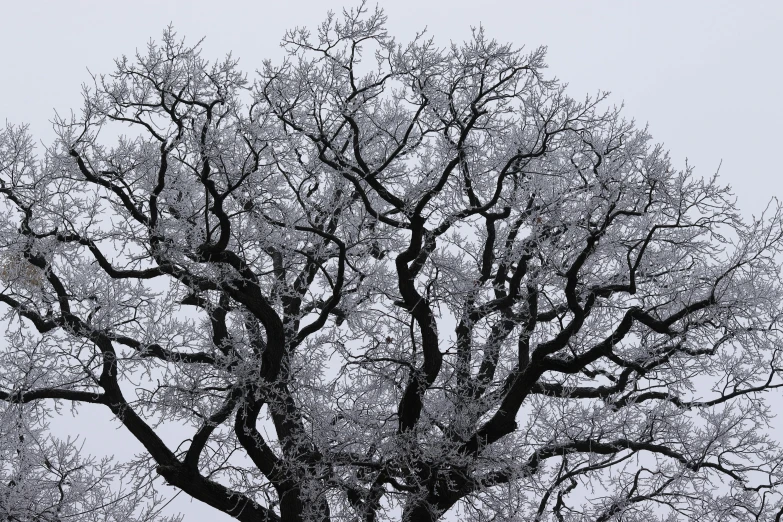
[[293, 508], [419, 512]]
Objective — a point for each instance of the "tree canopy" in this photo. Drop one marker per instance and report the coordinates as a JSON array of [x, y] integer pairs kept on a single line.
[[380, 281]]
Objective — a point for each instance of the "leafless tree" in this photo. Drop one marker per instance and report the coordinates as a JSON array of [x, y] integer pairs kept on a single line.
[[385, 281]]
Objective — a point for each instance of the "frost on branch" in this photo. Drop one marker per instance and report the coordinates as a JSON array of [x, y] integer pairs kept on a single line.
[[384, 281], [43, 479]]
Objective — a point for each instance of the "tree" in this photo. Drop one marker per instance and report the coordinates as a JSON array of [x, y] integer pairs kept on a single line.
[[388, 281]]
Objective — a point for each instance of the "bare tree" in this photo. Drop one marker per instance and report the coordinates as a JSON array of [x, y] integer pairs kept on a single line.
[[389, 281]]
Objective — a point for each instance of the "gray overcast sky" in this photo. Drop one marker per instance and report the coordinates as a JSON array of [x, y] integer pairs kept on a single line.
[[705, 75]]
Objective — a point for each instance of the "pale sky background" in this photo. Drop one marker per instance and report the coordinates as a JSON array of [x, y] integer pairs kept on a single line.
[[705, 75]]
